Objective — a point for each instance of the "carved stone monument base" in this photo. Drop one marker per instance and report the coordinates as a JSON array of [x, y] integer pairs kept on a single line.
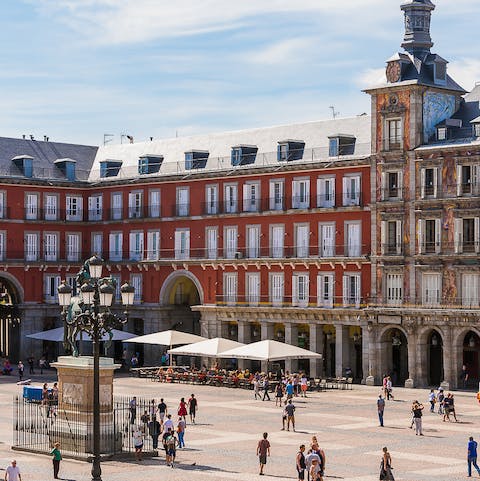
[[409, 383], [370, 381]]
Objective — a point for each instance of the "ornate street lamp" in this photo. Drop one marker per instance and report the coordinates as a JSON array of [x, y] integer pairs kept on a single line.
[[91, 314]]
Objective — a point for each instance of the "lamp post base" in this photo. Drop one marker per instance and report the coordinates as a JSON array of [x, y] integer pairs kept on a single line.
[[96, 470]]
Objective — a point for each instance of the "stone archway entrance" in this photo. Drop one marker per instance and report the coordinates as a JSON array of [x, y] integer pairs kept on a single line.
[[179, 293], [471, 358], [394, 352], [9, 318], [435, 359]]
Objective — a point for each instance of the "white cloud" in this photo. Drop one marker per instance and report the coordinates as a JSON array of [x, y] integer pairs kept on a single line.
[[465, 72], [371, 77], [285, 52]]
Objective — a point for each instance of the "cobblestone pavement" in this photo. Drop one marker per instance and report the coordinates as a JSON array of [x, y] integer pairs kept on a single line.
[[221, 446]]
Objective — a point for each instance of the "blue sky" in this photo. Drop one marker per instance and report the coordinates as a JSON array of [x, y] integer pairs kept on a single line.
[[76, 69]]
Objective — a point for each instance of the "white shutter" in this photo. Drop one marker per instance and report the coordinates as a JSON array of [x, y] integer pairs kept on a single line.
[[302, 241], [153, 245], [246, 197], [400, 184], [277, 241], [399, 239], [346, 279], [384, 187], [346, 191], [421, 236], [321, 193], [475, 179], [253, 241], [154, 203], [422, 183], [383, 237], [91, 208], [459, 180], [97, 241], [294, 290], [357, 291], [212, 243], [356, 193], [353, 240], [295, 194], [438, 236], [435, 182], [458, 236], [477, 234], [2, 246], [328, 240]]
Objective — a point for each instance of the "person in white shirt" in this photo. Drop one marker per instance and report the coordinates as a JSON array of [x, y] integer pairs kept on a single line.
[[138, 443], [12, 473], [168, 424]]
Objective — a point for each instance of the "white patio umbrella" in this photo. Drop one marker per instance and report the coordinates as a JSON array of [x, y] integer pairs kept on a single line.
[[270, 351], [56, 335], [207, 348], [168, 338]]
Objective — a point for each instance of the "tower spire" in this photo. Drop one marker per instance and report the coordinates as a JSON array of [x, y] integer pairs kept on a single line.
[[417, 40]]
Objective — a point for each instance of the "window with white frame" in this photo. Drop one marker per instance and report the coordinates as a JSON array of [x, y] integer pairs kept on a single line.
[[32, 246], [277, 240], [31, 206], [325, 290], [253, 288], [276, 289], [391, 237], [353, 239], [51, 285], [351, 190], [211, 199], [302, 240], [182, 244], [136, 246], [97, 243], [154, 203], [429, 183], [392, 185], [251, 197], [50, 246], [467, 235], [394, 289], [476, 130], [3, 204], [300, 290], [116, 246], [51, 207], [277, 200], [211, 234], [326, 191], [468, 179], [351, 290], [301, 194], [471, 290], [153, 245], [394, 134], [230, 198], [230, 236], [431, 289], [3, 245], [135, 205], [230, 288], [429, 236], [117, 206], [183, 201], [95, 207], [253, 241], [74, 209], [137, 283], [73, 243], [327, 239], [72, 282]]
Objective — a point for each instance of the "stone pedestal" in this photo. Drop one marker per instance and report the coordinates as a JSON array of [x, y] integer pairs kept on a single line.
[[409, 384], [75, 402], [446, 385], [370, 381]]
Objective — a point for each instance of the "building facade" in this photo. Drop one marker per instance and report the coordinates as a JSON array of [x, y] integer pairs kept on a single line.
[[357, 238]]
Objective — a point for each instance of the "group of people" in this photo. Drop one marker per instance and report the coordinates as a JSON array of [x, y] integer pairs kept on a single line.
[[157, 421], [288, 385], [446, 404]]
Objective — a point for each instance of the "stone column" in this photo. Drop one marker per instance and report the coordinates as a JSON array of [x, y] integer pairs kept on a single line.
[[367, 361], [342, 347], [244, 336], [266, 334], [412, 357], [316, 345], [449, 352], [291, 337]]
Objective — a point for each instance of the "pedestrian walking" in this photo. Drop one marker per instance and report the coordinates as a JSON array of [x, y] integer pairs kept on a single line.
[[162, 410], [301, 465], [309, 458], [182, 409], [42, 364], [290, 410], [12, 473], [138, 442], [432, 399], [133, 409], [464, 376], [322, 459], [266, 387], [417, 418], [440, 399], [279, 393], [31, 364], [315, 471], [304, 385], [152, 409], [154, 429], [168, 424], [472, 456], [380, 409], [386, 466], [192, 407], [263, 450], [57, 457], [389, 389], [169, 442], [289, 389], [181, 432], [256, 388], [21, 369]]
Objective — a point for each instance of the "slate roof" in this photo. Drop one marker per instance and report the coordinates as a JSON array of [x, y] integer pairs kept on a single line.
[[44, 155]]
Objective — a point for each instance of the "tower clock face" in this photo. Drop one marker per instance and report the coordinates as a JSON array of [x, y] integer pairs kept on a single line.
[[394, 71]]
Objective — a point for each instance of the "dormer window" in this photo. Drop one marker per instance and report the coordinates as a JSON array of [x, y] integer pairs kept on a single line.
[[110, 168], [476, 130], [289, 150], [67, 166], [24, 164], [149, 164], [196, 159], [341, 144], [244, 154], [442, 133], [440, 72]]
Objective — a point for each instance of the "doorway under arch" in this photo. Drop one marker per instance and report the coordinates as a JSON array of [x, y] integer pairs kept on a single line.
[[10, 297], [395, 355], [471, 358], [179, 293], [435, 358]]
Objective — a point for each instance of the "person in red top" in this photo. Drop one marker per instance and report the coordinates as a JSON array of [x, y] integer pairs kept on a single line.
[[263, 450], [182, 409]]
